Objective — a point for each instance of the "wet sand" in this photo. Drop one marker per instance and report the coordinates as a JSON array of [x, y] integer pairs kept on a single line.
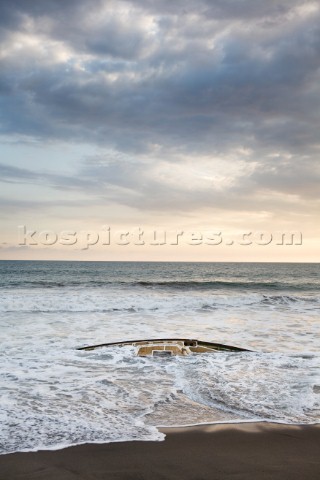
[[254, 451]]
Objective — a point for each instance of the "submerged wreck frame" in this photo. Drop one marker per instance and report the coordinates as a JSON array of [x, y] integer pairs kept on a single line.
[[164, 347]]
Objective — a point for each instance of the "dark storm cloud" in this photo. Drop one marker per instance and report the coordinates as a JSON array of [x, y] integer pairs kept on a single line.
[[221, 9], [173, 94], [77, 23], [12, 11], [199, 77]]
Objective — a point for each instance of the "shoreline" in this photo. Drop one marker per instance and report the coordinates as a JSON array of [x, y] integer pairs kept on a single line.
[[236, 422], [245, 451]]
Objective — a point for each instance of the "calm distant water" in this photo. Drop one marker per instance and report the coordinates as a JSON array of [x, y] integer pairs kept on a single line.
[[53, 395]]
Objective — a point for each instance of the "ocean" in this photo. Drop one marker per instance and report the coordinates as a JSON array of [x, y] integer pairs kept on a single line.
[[53, 395]]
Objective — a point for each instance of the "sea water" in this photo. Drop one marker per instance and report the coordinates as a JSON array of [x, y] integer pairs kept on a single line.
[[53, 395]]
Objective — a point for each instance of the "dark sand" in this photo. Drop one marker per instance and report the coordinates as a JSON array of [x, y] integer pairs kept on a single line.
[[247, 451]]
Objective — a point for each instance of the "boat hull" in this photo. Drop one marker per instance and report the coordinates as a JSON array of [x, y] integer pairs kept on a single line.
[[169, 347]]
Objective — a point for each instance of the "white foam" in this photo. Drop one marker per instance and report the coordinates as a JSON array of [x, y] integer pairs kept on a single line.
[[126, 299], [54, 396], [57, 397]]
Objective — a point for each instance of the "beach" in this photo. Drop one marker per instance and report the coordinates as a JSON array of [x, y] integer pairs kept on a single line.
[[159, 240], [226, 451]]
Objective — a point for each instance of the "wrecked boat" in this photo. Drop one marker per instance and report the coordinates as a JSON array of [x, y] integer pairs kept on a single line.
[[167, 347]]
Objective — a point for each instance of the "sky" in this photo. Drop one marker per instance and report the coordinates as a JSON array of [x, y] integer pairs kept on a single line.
[[125, 123]]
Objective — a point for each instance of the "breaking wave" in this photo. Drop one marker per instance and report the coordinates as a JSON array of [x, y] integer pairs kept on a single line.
[[170, 284]]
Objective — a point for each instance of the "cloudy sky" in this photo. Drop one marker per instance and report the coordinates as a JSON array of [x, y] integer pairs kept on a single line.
[[187, 115]]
